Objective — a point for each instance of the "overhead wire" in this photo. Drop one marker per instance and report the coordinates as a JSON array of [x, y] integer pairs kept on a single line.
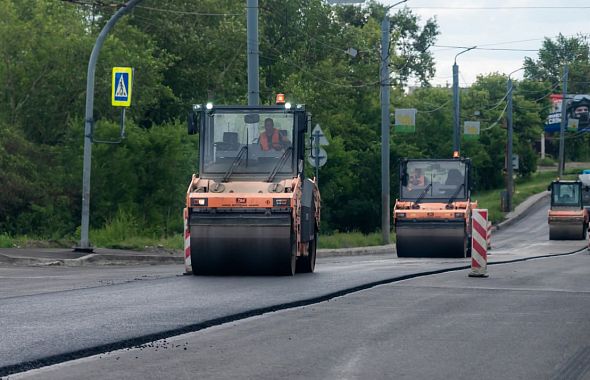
[[480, 48], [316, 77], [575, 135], [188, 13], [525, 7], [497, 120], [435, 109]]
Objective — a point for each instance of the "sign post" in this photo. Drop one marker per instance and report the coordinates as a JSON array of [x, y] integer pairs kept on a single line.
[[121, 91], [318, 156]]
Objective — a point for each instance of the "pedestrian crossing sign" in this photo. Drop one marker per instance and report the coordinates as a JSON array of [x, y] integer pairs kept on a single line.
[[122, 85]]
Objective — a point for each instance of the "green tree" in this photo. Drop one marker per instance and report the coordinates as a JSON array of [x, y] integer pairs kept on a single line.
[[552, 56]]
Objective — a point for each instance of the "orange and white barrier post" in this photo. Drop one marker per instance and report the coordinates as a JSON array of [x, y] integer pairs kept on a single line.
[[479, 233], [489, 238], [187, 245]]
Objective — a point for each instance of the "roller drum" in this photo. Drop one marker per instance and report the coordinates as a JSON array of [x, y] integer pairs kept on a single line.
[[431, 239], [236, 243], [567, 231]]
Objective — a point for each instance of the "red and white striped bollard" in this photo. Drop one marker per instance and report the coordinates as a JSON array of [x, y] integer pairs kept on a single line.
[[479, 234], [489, 237], [187, 245]]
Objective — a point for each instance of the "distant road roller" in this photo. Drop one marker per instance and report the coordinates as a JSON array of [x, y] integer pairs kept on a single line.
[[585, 178], [432, 217], [251, 210], [568, 218]]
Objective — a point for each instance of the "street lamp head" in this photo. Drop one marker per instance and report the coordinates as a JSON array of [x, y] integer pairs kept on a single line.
[[521, 68], [464, 51], [391, 6]]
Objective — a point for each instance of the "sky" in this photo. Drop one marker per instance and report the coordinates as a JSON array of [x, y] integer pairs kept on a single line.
[[495, 28]]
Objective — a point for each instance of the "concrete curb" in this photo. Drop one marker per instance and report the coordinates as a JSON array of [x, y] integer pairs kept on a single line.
[[93, 260], [522, 210], [357, 251]]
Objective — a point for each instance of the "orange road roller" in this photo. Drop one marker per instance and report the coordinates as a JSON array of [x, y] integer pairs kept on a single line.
[[432, 217], [250, 209]]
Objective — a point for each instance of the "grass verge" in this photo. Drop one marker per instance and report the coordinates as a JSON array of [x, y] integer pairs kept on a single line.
[[351, 239], [123, 232], [6, 241]]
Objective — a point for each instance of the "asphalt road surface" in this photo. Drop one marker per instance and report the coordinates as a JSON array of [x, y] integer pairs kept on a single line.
[[427, 319]]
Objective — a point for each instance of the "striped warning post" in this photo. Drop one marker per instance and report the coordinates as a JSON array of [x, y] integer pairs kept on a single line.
[[479, 233], [489, 238], [187, 245]]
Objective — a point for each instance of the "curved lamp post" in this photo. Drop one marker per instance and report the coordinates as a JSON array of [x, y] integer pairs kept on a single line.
[[456, 117], [385, 122], [84, 245]]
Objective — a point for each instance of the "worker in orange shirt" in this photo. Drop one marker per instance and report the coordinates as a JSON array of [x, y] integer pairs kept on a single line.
[[271, 138]]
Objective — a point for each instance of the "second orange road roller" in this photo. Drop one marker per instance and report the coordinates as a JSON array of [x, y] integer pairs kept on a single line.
[[432, 217], [568, 218], [250, 209]]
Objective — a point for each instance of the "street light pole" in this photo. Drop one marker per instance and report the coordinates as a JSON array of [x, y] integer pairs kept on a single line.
[[563, 123], [84, 245], [456, 100], [509, 168], [385, 122], [253, 53]]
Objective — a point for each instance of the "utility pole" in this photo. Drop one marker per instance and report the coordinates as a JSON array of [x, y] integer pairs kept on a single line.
[[509, 169], [385, 122], [510, 127], [384, 80], [253, 53], [456, 101], [563, 123], [84, 245]]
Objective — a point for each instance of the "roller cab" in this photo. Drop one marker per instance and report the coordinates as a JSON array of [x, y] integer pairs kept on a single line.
[[250, 210], [584, 177], [432, 217], [568, 218]]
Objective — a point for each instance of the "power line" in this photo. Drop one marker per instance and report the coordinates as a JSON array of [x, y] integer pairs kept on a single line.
[[576, 135], [503, 7], [316, 77], [191, 13], [547, 94], [497, 120], [497, 104], [435, 109], [97, 3], [480, 48]]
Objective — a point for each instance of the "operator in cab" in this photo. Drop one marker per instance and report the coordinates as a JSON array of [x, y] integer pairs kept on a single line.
[[417, 178], [272, 138]]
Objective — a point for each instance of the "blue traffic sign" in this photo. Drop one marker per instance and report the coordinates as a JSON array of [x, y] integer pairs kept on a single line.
[[122, 84]]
